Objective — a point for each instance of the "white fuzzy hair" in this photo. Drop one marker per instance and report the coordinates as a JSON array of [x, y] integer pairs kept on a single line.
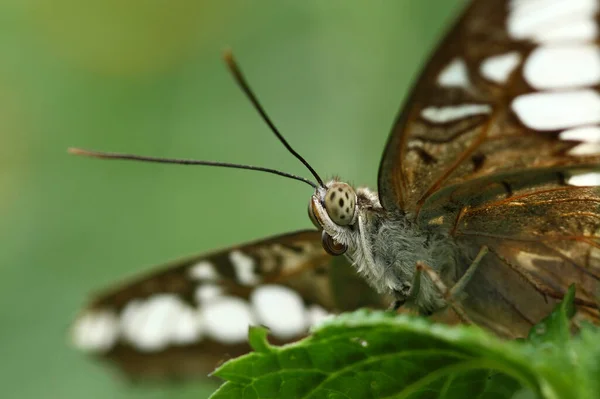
[[385, 249]]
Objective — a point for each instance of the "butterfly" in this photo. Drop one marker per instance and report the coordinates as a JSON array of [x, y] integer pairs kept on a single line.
[[487, 209]]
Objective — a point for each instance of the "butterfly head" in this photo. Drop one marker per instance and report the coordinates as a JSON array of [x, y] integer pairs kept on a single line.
[[334, 209]]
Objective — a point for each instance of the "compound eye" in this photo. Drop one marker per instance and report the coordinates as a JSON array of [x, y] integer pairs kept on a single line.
[[331, 246], [340, 201], [311, 215]]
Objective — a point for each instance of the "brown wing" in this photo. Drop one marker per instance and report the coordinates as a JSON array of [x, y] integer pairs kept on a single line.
[[506, 113], [184, 319], [543, 236], [490, 99]]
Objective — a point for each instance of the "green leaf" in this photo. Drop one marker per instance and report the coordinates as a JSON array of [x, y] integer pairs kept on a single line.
[[380, 355], [555, 328], [374, 354], [585, 352], [258, 339]]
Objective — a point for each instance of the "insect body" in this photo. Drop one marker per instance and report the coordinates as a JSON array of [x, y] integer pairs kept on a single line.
[[384, 247]]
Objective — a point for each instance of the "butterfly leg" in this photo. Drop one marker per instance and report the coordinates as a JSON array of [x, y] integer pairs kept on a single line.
[[450, 295], [443, 289], [409, 292], [464, 280]]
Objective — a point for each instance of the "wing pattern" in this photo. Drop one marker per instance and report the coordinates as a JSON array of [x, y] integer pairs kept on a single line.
[[194, 313], [499, 145]]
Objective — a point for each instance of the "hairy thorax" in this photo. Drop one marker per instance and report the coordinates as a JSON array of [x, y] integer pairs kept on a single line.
[[384, 247], [385, 250]]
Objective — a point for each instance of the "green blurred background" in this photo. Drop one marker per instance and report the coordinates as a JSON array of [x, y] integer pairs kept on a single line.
[[146, 76]]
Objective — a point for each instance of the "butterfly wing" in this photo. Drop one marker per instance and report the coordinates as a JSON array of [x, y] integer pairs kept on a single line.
[[499, 134], [491, 99], [185, 318], [525, 275], [542, 238]]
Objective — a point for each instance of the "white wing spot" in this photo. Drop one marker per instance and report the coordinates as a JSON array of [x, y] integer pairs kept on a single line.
[[227, 319], [580, 29], [558, 110], [590, 134], [95, 331], [453, 113], [280, 309], [187, 327], [153, 324], [584, 179], [559, 67], [556, 20], [207, 292], [499, 67], [244, 268], [590, 137], [585, 149], [454, 75], [204, 270]]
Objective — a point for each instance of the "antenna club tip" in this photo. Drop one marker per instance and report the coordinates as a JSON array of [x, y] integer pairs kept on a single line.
[[228, 56], [86, 153], [75, 151]]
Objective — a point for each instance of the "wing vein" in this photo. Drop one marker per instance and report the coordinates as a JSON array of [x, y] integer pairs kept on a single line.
[[481, 138]]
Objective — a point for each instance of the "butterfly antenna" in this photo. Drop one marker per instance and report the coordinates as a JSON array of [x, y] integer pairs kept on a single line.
[[241, 81], [132, 157]]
